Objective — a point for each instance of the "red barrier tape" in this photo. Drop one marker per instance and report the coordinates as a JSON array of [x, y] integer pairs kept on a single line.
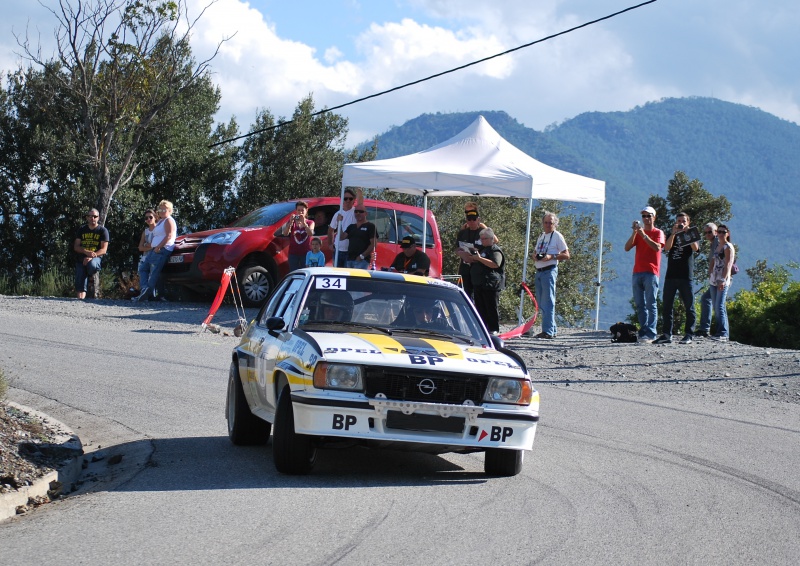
[[223, 287], [520, 330]]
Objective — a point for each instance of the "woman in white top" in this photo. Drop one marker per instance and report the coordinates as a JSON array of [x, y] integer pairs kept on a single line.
[[162, 245], [145, 245], [719, 279]]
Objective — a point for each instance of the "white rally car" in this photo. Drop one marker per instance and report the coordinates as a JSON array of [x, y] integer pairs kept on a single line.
[[381, 359]]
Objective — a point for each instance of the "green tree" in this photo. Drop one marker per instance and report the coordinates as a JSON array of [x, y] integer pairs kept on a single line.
[[576, 289], [119, 64], [301, 157]]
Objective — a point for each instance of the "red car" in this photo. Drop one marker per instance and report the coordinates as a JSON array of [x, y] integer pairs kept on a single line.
[[260, 255]]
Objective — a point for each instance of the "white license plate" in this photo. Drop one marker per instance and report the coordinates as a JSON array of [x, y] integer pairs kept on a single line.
[[176, 259]]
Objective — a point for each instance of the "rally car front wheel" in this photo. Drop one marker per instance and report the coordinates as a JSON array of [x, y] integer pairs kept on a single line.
[[244, 428], [293, 453], [503, 463]]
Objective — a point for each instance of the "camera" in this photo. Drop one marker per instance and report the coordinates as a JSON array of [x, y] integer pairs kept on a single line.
[[540, 256], [637, 224], [681, 226]]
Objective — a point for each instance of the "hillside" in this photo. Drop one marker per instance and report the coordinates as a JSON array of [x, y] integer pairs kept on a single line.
[[746, 154]]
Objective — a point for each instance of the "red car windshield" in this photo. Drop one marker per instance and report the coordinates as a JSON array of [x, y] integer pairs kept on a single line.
[[265, 216]]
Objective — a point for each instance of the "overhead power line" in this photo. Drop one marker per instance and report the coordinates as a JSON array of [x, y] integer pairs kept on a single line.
[[453, 70]]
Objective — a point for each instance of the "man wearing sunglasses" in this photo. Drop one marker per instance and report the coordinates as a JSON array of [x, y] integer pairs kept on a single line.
[[91, 243], [339, 223], [648, 241], [361, 236]]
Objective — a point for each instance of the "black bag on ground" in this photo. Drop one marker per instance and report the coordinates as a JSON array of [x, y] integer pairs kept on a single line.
[[624, 332]]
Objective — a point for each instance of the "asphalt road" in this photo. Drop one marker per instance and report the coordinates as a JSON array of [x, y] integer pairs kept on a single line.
[[615, 477]]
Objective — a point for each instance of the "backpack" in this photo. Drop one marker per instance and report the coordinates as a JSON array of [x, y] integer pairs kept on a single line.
[[624, 332]]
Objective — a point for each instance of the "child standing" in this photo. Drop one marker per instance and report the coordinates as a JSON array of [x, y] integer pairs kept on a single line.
[[315, 258]]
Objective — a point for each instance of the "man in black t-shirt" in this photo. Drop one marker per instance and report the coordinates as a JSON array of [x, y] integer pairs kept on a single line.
[[469, 234], [680, 272], [91, 243], [411, 260], [361, 236]]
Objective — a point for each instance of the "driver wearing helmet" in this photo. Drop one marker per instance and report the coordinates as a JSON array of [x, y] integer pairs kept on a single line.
[[335, 306], [426, 314]]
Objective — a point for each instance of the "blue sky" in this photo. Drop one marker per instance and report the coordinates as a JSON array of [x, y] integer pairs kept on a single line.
[[281, 50]]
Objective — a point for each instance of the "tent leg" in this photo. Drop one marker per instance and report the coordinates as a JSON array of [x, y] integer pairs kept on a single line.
[[599, 268]]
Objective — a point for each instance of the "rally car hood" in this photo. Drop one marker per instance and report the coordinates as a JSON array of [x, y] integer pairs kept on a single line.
[[404, 350]]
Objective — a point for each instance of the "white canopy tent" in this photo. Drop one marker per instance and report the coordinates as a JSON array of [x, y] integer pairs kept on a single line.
[[479, 162]]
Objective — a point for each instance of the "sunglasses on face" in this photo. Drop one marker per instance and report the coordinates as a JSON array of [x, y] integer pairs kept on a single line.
[[348, 198], [722, 231], [92, 216], [148, 217], [647, 215], [707, 232]]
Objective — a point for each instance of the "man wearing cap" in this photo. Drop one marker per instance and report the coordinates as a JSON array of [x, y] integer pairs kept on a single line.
[[469, 235], [648, 241], [411, 260]]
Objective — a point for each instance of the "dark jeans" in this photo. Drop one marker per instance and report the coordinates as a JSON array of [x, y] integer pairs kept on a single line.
[[487, 301], [684, 288], [466, 279]]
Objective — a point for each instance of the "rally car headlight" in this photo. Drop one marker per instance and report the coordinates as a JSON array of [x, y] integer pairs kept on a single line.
[[505, 390], [338, 376], [221, 239]]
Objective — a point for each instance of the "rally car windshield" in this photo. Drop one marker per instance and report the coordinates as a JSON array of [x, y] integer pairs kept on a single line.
[[385, 306]]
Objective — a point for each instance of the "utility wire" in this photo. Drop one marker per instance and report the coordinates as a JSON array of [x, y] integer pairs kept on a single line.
[[437, 75]]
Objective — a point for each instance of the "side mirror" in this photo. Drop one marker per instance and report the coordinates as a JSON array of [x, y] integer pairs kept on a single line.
[[274, 325], [498, 342]]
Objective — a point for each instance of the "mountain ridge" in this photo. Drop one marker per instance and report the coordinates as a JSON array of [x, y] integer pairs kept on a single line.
[[750, 156]]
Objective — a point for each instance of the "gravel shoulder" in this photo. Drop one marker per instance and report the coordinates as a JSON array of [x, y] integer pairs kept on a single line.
[[703, 372]]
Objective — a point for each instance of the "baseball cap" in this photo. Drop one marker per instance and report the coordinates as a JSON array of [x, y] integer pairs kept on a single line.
[[649, 210], [471, 214], [407, 242]]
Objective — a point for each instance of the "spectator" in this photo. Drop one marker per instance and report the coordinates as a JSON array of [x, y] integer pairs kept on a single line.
[[680, 273], [320, 222], [648, 241], [719, 279], [341, 220], [550, 249], [362, 240], [145, 245], [91, 244], [163, 243], [710, 233], [301, 230], [315, 257], [411, 260], [487, 270], [468, 235]]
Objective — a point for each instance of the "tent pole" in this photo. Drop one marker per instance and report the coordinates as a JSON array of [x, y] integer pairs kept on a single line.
[[425, 221], [520, 317], [599, 267], [338, 229]]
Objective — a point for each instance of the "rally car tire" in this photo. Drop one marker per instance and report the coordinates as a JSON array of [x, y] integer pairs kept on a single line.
[[244, 428], [293, 454], [503, 463]]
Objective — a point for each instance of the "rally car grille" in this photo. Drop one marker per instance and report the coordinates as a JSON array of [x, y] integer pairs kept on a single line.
[[430, 387]]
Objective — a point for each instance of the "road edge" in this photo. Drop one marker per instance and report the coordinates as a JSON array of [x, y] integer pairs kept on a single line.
[[58, 481]]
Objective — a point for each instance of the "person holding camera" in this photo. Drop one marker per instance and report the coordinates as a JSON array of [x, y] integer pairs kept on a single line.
[[487, 272], [680, 272], [301, 230], [550, 249], [648, 241]]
